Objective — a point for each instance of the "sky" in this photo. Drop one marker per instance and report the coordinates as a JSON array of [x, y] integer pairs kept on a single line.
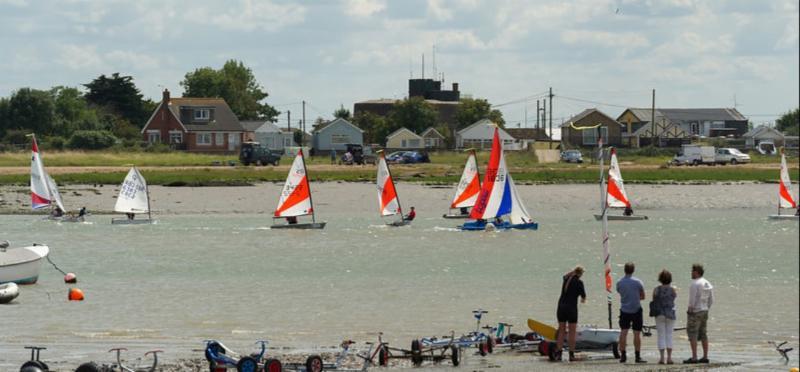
[[608, 54]]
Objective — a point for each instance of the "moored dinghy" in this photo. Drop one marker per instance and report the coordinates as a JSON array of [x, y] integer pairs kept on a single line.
[[786, 199], [498, 198], [21, 265], [133, 199], [615, 195], [388, 201], [467, 190], [296, 199]]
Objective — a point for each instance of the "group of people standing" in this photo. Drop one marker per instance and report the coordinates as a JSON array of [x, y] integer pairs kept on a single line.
[[631, 314]]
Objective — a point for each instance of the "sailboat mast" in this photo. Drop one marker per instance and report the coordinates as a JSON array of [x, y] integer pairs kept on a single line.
[[308, 185], [604, 210]]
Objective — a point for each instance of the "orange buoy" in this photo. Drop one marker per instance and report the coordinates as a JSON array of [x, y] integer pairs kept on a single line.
[[70, 278], [75, 294]]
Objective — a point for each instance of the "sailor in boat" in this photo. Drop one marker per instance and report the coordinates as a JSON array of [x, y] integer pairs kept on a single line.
[[498, 221], [82, 212], [130, 216], [798, 211], [628, 211], [57, 212], [291, 220], [464, 211], [410, 216]]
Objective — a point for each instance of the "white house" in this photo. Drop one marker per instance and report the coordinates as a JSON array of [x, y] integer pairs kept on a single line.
[[268, 134], [763, 133], [480, 134]]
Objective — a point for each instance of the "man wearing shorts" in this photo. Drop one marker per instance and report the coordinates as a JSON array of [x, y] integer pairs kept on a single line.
[[701, 296], [567, 312], [631, 292]]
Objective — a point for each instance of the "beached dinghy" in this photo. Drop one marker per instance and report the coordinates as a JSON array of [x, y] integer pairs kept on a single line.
[[786, 199], [296, 199], [8, 292], [133, 199], [586, 338], [21, 265], [498, 198], [388, 201], [467, 190], [615, 196]]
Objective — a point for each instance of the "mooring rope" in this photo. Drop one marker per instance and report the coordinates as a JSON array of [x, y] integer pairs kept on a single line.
[[54, 265]]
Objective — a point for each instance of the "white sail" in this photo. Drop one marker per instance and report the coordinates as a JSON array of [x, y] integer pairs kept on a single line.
[[470, 185], [55, 196], [519, 214], [40, 193], [387, 194], [133, 196], [785, 196], [616, 196], [296, 196]]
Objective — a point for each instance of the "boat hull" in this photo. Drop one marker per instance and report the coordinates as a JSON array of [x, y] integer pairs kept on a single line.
[[783, 217], [484, 226], [125, 221], [301, 226], [398, 223], [616, 217], [22, 265], [8, 292], [586, 337], [455, 216]]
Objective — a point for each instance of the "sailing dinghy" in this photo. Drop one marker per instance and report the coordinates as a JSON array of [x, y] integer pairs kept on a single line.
[[467, 190], [44, 190], [21, 265], [615, 196], [295, 198], [133, 199], [388, 201], [786, 199], [498, 198]]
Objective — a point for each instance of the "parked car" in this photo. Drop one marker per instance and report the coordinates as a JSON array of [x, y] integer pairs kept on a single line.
[[413, 157], [254, 153], [733, 156], [572, 156], [695, 155], [395, 157]]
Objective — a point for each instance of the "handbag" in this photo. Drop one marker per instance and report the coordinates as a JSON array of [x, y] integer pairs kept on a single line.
[[654, 310]]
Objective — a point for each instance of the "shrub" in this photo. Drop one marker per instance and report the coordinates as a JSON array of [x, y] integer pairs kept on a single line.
[[55, 143], [16, 137], [157, 147], [91, 140]]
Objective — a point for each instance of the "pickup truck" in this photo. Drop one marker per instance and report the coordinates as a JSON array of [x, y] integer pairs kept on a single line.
[[254, 153]]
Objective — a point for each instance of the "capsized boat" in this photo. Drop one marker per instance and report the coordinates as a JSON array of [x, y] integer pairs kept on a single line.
[[133, 199], [498, 198], [786, 199], [467, 190], [21, 265], [296, 199], [388, 201], [615, 196]]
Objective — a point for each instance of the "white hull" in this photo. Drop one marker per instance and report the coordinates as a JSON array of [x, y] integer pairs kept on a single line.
[[595, 338], [616, 217], [301, 226], [22, 265], [125, 221], [8, 292], [783, 217]]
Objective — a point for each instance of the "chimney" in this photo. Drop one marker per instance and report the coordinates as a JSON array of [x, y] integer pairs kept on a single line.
[[455, 87], [165, 96]]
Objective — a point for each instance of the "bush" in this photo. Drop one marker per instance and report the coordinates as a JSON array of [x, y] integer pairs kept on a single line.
[[55, 143], [16, 137], [157, 147], [91, 140]]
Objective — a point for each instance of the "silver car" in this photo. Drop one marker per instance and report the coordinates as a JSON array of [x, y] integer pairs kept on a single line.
[[572, 156]]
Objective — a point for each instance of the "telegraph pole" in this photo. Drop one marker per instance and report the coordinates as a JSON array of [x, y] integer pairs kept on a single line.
[[288, 120], [653, 119], [303, 137], [538, 110], [550, 144]]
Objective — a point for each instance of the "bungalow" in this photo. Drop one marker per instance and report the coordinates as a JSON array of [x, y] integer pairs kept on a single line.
[[194, 124], [404, 139], [336, 135], [610, 129], [479, 135], [433, 139], [268, 134], [763, 133], [526, 137], [676, 124]]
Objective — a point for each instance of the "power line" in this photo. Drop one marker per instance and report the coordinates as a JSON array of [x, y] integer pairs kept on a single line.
[[524, 99], [594, 102]]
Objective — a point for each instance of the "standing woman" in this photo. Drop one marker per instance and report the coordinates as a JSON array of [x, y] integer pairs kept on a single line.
[[664, 297], [567, 313]]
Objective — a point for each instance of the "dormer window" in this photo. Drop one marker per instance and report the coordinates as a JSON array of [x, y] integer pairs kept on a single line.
[[202, 114]]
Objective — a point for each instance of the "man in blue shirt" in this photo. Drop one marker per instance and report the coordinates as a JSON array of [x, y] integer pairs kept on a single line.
[[631, 292]]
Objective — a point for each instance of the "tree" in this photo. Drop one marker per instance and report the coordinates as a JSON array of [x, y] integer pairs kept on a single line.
[[236, 84], [471, 110], [342, 113], [789, 123], [29, 109], [119, 95], [72, 112], [413, 113], [372, 125]]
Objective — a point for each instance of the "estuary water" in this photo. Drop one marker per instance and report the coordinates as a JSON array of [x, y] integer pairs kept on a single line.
[[227, 276]]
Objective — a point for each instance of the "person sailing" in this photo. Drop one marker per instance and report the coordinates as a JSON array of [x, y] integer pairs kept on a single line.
[[57, 212], [82, 212], [130, 216], [291, 220], [410, 216], [628, 211]]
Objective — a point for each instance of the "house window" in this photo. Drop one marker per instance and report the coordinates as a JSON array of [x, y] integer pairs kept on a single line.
[[202, 114], [694, 128], [414, 143], [175, 137], [220, 139], [590, 136], [717, 125], [204, 139], [287, 142], [340, 138], [403, 143], [153, 136]]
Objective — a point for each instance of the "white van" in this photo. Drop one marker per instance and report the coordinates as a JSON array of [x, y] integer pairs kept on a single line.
[[695, 155]]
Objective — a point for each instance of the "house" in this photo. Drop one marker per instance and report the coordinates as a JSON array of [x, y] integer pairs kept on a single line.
[[336, 135], [526, 137], [194, 124], [673, 126], [763, 133], [404, 139], [433, 139], [479, 135], [610, 129], [268, 134]]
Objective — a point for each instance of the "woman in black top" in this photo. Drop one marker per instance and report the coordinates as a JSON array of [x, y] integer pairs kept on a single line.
[[567, 313]]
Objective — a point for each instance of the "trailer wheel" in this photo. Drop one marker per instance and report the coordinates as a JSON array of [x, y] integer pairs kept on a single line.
[[455, 355], [247, 364], [37, 366], [383, 356], [88, 367], [482, 349], [551, 351], [272, 365], [490, 345], [615, 349], [314, 363], [416, 353], [542, 348]]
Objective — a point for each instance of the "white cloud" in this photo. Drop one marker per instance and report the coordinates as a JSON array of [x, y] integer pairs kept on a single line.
[[250, 15], [364, 8], [439, 10], [17, 3], [80, 57], [628, 40], [133, 60]]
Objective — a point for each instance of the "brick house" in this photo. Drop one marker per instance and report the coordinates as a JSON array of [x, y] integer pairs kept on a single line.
[[610, 129], [195, 125]]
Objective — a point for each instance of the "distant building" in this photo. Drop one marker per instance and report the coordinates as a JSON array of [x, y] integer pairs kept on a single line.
[[640, 131], [335, 135], [526, 137], [480, 134], [268, 134], [677, 125], [194, 124], [610, 129], [404, 139], [433, 139], [763, 133]]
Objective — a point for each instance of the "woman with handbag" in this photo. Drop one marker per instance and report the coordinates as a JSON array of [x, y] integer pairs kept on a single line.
[[663, 305]]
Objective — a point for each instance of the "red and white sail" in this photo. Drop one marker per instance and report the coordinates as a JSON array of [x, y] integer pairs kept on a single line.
[[615, 195], [387, 194], [785, 195], [470, 185], [296, 195], [40, 191]]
